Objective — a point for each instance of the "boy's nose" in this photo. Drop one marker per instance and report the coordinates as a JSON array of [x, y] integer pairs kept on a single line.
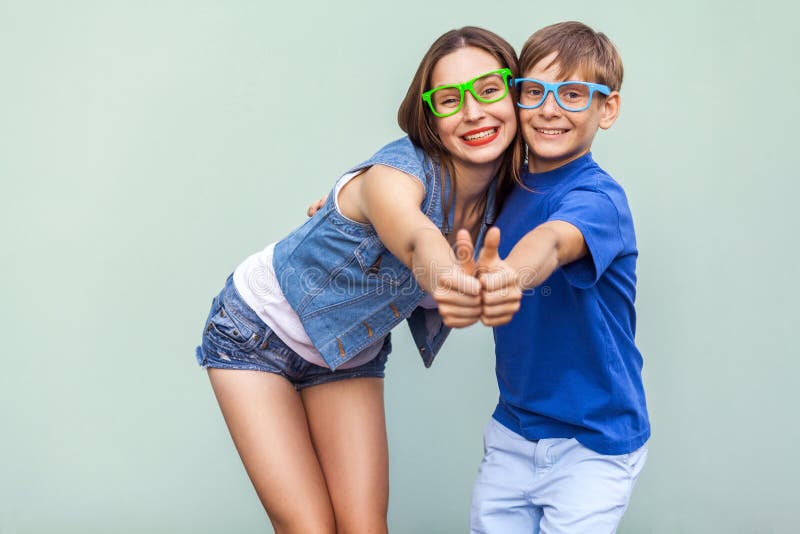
[[550, 106], [473, 109]]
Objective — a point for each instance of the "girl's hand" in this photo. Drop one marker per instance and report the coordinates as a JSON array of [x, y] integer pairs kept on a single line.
[[458, 292]]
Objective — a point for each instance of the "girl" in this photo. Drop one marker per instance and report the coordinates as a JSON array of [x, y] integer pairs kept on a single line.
[[297, 341]]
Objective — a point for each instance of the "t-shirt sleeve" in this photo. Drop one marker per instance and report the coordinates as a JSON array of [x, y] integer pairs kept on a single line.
[[595, 215]]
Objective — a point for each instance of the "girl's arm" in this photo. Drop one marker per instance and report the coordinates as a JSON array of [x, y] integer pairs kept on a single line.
[[390, 200]]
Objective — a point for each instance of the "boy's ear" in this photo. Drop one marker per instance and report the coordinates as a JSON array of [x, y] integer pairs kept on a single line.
[[609, 110]]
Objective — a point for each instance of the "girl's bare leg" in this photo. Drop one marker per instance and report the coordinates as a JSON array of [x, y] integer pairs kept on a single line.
[[268, 424], [348, 428]]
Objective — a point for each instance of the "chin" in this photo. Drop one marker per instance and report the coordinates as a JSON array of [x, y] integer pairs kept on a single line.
[[485, 160], [550, 157]]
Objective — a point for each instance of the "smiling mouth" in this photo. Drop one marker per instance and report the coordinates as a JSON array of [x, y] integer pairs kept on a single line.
[[552, 132], [481, 137]]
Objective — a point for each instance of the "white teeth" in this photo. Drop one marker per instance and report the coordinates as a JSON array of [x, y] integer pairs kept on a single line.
[[485, 133], [550, 132]]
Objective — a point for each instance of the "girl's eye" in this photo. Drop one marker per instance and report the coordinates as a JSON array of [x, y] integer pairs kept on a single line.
[[446, 99]]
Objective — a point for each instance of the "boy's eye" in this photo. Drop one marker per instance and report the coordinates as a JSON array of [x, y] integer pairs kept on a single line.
[[531, 90], [573, 93]]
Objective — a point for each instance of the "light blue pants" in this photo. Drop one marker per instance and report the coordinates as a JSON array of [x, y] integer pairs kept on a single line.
[[549, 486]]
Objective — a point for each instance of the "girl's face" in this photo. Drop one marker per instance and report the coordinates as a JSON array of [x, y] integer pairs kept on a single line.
[[478, 134]]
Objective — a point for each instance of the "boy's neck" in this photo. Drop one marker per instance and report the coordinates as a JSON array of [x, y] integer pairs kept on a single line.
[[537, 166]]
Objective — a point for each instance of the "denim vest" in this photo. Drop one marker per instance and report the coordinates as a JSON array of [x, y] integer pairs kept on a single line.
[[346, 287]]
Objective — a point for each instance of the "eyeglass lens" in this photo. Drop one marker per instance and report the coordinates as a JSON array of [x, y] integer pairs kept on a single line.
[[571, 96], [489, 88]]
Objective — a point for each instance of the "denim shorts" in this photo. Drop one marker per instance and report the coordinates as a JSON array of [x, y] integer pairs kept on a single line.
[[235, 337]]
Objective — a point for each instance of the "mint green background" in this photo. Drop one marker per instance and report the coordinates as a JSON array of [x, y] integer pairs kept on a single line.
[[147, 147]]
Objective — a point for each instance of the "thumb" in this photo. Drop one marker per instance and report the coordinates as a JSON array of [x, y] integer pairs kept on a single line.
[[491, 242], [465, 251]]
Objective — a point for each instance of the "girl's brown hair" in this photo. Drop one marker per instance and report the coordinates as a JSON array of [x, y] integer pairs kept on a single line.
[[418, 122]]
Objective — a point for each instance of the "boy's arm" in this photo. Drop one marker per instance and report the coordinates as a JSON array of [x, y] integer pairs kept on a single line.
[[532, 260], [544, 249], [315, 206]]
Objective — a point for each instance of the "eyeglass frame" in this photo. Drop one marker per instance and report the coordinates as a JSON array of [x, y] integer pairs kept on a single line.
[[508, 78], [553, 88]]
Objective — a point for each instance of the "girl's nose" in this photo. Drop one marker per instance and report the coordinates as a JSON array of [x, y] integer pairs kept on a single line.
[[473, 109]]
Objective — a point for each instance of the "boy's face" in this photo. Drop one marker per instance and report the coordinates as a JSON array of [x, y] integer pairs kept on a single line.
[[555, 136]]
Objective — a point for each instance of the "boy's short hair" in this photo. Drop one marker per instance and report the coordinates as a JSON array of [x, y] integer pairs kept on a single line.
[[580, 49]]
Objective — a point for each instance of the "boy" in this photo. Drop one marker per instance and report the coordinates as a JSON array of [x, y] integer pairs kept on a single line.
[[566, 442]]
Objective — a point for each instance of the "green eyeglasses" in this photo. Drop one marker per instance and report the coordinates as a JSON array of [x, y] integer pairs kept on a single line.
[[447, 100]]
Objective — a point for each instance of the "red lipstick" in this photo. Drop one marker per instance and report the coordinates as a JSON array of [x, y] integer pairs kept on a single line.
[[480, 141]]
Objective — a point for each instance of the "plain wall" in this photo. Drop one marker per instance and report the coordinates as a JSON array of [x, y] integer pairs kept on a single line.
[[147, 147]]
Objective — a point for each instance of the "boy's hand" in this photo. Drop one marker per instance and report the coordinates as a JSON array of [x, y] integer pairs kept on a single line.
[[500, 293], [314, 207], [458, 292]]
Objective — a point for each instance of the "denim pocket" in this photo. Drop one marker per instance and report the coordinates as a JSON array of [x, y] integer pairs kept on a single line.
[[230, 331], [378, 265]]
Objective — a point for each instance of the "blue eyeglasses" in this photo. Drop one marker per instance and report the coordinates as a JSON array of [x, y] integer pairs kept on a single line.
[[571, 96]]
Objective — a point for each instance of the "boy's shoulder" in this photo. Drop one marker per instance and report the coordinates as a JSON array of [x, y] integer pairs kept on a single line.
[[592, 176], [583, 186]]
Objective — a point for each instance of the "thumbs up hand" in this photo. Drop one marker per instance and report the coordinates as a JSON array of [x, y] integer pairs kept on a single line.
[[500, 289], [458, 292], [465, 252]]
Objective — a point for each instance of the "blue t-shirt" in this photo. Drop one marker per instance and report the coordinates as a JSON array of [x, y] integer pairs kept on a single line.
[[567, 365]]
